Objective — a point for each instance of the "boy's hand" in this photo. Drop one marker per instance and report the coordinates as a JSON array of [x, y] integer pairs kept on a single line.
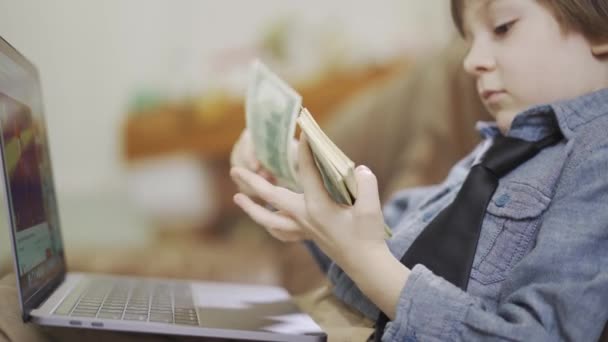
[[345, 233], [243, 156]]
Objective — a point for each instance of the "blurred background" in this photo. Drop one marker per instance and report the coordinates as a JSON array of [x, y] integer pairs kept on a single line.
[[144, 99]]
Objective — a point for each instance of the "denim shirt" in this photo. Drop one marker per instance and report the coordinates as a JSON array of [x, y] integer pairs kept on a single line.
[[540, 271]]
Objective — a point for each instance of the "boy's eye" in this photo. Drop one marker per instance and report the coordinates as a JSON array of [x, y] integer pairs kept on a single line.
[[503, 29]]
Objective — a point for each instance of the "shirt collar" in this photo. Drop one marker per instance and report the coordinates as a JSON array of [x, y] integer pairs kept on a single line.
[[565, 117]]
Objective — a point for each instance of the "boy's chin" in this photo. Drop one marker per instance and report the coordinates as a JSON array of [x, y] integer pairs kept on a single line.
[[504, 119]]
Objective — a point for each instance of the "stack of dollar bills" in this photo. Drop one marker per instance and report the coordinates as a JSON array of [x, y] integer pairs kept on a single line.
[[272, 110]]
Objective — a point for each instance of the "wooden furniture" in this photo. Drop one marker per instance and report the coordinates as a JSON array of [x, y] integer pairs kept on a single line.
[[210, 130]]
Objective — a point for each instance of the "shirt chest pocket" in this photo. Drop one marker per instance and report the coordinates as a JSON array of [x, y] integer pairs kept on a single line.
[[509, 230]]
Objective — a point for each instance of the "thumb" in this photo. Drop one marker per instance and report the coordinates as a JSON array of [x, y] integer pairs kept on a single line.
[[368, 198]]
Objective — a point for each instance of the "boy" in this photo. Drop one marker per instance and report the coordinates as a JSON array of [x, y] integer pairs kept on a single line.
[[541, 68]]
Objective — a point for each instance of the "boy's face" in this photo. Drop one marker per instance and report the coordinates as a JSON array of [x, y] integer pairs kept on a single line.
[[520, 57]]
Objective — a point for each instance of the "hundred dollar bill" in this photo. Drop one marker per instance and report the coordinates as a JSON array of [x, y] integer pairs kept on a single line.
[[271, 109]]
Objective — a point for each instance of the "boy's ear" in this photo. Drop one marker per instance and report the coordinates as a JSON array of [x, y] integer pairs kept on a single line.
[[600, 49]]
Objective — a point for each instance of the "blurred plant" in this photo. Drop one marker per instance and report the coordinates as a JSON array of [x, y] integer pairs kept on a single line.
[[276, 38]]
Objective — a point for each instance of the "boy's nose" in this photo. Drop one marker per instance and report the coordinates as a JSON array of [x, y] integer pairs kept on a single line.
[[479, 60]]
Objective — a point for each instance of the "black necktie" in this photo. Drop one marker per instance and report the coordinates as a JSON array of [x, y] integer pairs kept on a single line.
[[447, 245]]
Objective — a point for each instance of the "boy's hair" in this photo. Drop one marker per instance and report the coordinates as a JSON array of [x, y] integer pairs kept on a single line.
[[589, 17]]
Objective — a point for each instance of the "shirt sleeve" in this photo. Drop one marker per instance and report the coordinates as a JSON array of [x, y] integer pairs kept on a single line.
[[322, 260], [557, 292], [400, 204]]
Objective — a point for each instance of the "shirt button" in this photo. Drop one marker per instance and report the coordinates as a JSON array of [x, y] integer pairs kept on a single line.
[[427, 216], [502, 200]]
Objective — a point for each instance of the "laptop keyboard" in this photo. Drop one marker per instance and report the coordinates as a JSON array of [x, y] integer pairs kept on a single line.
[[131, 300]]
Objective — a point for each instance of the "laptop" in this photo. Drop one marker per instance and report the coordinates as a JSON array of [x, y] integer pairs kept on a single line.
[[51, 296]]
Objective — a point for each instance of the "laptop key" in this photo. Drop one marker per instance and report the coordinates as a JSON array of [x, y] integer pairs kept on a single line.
[[161, 318], [113, 312], [87, 307]]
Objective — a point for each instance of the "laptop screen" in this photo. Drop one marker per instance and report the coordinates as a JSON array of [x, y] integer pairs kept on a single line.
[[28, 180]]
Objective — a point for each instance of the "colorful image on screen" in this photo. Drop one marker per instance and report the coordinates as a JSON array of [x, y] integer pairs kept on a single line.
[[30, 192]]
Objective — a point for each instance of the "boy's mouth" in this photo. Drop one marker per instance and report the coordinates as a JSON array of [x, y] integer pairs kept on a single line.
[[491, 95]]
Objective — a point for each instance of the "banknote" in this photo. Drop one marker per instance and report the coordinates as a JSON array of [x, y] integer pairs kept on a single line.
[[272, 110], [272, 107]]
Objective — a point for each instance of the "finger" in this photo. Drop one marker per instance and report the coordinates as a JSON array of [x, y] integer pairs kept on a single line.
[[249, 152], [285, 236], [243, 153], [289, 235], [368, 199], [264, 217], [244, 188], [278, 197], [267, 175], [309, 177]]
